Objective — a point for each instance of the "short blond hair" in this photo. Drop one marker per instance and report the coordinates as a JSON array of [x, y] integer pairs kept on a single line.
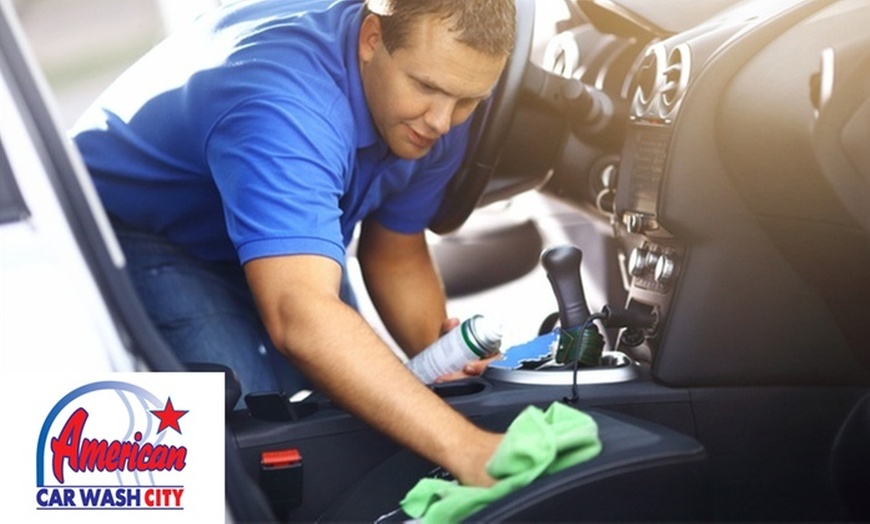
[[488, 26]]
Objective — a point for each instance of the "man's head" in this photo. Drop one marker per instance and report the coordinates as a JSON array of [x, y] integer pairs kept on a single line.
[[426, 64]]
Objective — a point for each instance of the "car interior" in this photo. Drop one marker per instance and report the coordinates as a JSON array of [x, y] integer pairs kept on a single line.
[[690, 180]]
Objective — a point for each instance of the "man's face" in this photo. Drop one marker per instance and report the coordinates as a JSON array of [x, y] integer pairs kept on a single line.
[[417, 93]]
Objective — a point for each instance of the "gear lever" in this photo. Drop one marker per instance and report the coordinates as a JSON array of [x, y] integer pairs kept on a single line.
[[579, 339], [562, 264]]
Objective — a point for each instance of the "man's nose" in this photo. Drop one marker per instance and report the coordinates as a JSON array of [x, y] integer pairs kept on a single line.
[[440, 115]]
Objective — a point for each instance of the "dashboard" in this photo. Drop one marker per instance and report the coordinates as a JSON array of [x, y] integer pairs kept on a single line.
[[708, 137]]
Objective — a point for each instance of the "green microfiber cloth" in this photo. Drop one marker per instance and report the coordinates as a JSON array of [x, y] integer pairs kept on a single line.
[[536, 443]]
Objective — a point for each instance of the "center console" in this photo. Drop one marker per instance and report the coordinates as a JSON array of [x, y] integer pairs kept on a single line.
[[346, 471]]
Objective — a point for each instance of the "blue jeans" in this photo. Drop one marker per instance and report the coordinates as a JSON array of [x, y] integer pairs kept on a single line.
[[206, 312]]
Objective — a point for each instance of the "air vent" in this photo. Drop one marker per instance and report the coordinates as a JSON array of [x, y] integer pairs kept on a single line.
[[676, 78], [661, 80], [647, 78]]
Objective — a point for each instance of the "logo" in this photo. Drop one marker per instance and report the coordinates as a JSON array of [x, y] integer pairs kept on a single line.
[[112, 445], [105, 447]]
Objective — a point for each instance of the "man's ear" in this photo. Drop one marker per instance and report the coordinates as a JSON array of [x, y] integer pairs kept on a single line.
[[369, 37]]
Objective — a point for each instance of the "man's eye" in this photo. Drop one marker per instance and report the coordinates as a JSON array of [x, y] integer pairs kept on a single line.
[[426, 88]]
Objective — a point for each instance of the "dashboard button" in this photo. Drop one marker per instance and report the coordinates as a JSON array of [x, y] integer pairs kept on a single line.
[[637, 261], [664, 270]]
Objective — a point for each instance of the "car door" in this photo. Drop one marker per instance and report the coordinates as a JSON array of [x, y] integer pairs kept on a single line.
[[66, 304]]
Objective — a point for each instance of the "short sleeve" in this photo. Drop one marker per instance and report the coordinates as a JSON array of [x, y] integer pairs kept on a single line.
[[280, 166]]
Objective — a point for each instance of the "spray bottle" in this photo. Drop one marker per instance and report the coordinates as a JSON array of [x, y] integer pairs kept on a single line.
[[475, 338]]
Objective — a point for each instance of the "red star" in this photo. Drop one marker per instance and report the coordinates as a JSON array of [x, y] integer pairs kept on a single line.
[[168, 416]]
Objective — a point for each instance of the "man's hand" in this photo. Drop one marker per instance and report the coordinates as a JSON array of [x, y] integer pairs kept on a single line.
[[473, 469], [449, 324], [472, 369]]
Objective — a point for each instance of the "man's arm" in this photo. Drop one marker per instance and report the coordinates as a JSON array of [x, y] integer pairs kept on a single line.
[[334, 347], [403, 284]]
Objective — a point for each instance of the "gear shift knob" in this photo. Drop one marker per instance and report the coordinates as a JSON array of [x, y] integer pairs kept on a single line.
[[578, 342], [562, 264]]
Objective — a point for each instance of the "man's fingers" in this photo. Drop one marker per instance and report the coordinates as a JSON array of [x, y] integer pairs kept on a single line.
[[472, 369], [449, 324]]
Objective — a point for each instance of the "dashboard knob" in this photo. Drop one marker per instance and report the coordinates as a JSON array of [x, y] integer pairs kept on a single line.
[[664, 269], [635, 223], [637, 261], [652, 258]]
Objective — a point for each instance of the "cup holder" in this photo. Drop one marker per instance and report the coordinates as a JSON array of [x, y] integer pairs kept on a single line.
[[460, 388], [533, 363], [615, 367]]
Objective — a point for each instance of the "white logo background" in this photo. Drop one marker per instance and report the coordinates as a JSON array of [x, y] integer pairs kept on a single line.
[[114, 413]]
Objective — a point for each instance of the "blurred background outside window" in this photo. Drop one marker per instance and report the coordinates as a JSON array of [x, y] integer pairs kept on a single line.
[[83, 45]]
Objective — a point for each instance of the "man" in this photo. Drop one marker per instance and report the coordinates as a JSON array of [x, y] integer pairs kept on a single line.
[[236, 160]]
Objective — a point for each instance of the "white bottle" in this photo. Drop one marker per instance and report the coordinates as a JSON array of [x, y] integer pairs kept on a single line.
[[473, 339]]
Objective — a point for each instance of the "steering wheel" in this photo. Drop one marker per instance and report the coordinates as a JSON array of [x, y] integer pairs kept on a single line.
[[489, 128]]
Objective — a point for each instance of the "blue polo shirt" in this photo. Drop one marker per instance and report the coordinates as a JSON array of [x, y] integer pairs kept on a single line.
[[248, 135]]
